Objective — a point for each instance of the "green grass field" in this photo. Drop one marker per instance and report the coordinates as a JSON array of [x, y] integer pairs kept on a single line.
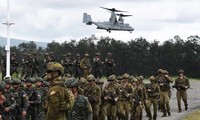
[[193, 116]]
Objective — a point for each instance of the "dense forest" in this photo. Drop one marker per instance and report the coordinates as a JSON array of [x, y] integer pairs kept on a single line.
[[137, 57]]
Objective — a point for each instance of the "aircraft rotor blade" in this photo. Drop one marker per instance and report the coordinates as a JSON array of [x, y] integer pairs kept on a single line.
[[113, 9], [122, 15]]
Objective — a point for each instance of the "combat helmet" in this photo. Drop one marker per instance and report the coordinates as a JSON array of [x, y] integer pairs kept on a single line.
[[165, 72], [90, 78], [180, 71], [29, 80], [74, 83], [125, 76], [160, 71], [152, 78], [78, 55], [86, 55], [119, 78], [112, 78], [38, 79], [98, 54], [55, 66], [7, 80], [99, 81], [16, 81]]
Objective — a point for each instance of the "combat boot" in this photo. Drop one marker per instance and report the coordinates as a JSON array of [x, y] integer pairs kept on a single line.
[[164, 115], [186, 108], [169, 113], [179, 111]]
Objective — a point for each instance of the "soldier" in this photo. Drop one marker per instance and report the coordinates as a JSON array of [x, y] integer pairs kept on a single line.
[[21, 98], [3, 65], [28, 66], [2, 99], [51, 57], [9, 104], [40, 113], [67, 63], [136, 99], [97, 67], [35, 64], [77, 66], [46, 60], [86, 65], [82, 109], [110, 64], [110, 96], [182, 84], [142, 85], [34, 99], [93, 92], [164, 84], [23, 60], [14, 65], [124, 105], [153, 92], [59, 99]]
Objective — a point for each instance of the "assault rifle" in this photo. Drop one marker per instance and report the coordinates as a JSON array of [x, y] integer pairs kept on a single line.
[[111, 97], [180, 87]]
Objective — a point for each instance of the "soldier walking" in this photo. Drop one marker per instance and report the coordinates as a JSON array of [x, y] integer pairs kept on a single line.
[[110, 96], [93, 92], [182, 84], [153, 92]]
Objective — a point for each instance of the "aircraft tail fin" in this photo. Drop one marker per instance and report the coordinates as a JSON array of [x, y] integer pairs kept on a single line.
[[87, 19]]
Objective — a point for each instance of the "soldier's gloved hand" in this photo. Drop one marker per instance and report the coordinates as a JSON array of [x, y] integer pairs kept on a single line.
[[105, 98], [115, 99]]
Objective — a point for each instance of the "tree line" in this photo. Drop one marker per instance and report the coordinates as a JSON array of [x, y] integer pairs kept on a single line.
[[136, 57]]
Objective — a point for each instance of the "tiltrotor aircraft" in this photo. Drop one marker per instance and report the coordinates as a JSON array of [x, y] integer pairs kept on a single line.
[[112, 24]]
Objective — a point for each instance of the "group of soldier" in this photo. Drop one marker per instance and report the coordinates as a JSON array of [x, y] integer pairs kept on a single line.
[[32, 66], [63, 95]]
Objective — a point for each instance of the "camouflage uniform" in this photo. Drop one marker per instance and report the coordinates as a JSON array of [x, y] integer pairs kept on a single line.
[[59, 99], [77, 66], [14, 66], [153, 92], [86, 66], [182, 84], [21, 98], [39, 110], [97, 67], [93, 92], [164, 84], [82, 109], [28, 66], [124, 104], [35, 64], [9, 105], [34, 99], [136, 99], [110, 97], [110, 65], [67, 63], [3, 65]]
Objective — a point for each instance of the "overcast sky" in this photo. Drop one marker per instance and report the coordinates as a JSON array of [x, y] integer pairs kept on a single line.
[[60, 20]]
